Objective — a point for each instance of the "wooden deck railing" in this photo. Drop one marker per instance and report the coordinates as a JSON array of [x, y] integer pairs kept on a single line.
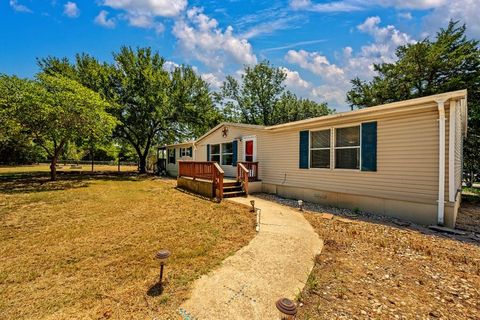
[[242, 176], [252, 168], [206, 170]]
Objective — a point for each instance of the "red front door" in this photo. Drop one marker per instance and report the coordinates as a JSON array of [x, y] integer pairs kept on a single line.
[[249, 150]]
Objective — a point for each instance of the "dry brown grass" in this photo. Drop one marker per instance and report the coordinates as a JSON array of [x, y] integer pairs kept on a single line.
[[39, 168], [375, 269], [83, 247]]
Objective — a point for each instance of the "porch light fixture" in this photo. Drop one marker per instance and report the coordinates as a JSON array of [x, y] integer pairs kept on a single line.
[[286, 308], [300, 204], [252, 203], [162, 257]]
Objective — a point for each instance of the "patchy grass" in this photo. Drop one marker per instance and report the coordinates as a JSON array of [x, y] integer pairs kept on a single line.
[[471, 195], [374, 269], [83, 247]]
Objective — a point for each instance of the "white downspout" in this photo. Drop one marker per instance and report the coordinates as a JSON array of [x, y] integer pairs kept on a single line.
[[451, 150], [441, 162]]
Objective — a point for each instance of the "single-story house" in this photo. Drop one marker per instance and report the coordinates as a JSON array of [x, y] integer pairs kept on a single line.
[[401, 159]]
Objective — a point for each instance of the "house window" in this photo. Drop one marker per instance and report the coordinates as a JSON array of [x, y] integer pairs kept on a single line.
[[227, 154], [185, 152], [320, 149], [215, 153], [347, 148], [171, 155]]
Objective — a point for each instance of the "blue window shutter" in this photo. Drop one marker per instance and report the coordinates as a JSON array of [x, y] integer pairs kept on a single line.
[[208, 152], [303, 156], [235, 153], [369, 146], [190, 151], [174, 154]]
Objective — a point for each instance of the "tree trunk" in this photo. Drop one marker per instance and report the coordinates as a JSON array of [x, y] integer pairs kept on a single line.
[[53, 169], [142, 168], [91, 153]]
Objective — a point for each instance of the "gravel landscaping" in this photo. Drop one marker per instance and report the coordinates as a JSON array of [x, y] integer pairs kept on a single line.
[[379, 267]]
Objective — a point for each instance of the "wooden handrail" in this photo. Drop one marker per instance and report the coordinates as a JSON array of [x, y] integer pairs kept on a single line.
[[252, 168], [218, 182], [242, 176]]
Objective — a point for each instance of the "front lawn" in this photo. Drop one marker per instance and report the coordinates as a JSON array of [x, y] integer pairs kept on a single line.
[[84, 246]]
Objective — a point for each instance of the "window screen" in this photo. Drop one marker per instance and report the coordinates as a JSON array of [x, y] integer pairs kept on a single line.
[[320, 149], [347, 148]]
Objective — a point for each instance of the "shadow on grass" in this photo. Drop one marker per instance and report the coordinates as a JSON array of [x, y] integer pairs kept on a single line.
[[12, 183], [155, 290]]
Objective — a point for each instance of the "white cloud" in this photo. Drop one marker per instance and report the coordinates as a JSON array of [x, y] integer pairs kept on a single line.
[[215, 80], [356, 5], [465, 11], [143, 13], [268, 21], [303, 88], [158, 8], [200, 38], [294, 80], [103, 20], [335, 77], [144, 21], [269, 27], [333, 6], [405, 15], [314, 62], [19, 7], [70, 9]]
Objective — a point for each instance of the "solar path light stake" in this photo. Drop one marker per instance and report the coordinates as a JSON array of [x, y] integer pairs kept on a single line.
[[286, 308], [300, 204], [252, 203], [162, 257]]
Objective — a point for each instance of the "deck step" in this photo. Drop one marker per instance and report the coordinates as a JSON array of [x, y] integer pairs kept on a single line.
[[230, 184], [232, 188], [232, 194]]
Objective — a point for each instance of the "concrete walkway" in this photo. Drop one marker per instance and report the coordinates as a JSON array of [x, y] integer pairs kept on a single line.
[[275, 264]]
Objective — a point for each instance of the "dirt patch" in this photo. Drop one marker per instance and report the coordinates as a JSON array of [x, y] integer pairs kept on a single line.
[[469, 217], [376, 267]]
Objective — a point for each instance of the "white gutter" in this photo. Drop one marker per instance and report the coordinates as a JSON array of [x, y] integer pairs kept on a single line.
[[451, 150], [441, 162]]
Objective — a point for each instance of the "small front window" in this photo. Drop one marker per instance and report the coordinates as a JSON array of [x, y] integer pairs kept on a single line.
[[320, 149], [347, 148], [215, 153], [227, 154], [171, 155], [185, 152]]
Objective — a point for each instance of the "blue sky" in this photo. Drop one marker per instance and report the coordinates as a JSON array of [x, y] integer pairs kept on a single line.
[[320, 44]]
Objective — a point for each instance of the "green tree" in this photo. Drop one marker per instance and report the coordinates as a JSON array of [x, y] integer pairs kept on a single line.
[[153, 106], [447, 63], [261, 98], [290, 108], [56, 110], [254, 99]]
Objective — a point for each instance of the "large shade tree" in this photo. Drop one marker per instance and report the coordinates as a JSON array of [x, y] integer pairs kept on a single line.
[[55, 110], [154, 105], [260, 97], [449, 62]]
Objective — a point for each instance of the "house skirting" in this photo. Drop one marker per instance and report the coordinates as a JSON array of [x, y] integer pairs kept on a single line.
[[201, 187], [421, 213]]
